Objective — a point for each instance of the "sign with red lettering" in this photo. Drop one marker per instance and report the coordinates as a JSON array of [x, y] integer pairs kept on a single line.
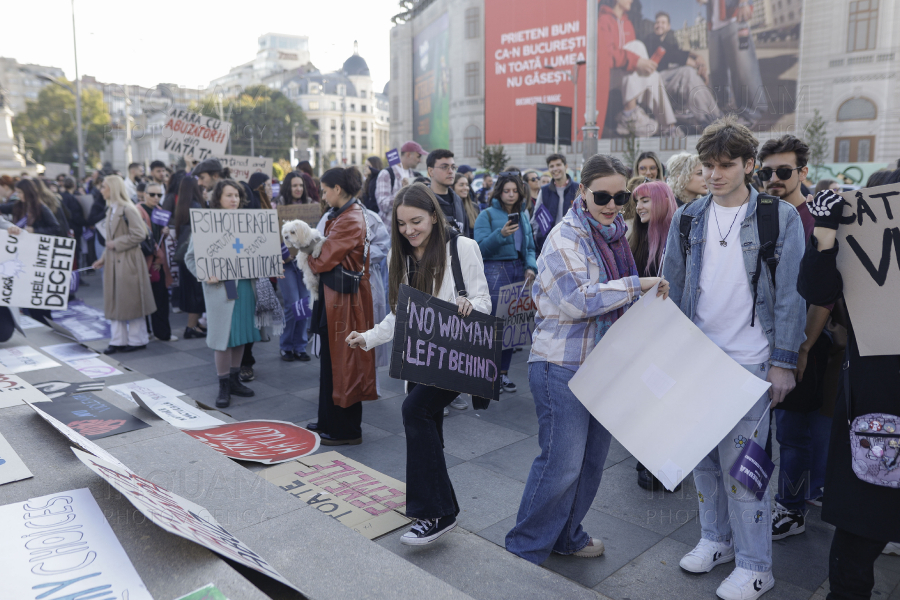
[[268, 442], [516, 307], [433, 345], [179, 516], [35, 270], [92, 416], [194, 136]]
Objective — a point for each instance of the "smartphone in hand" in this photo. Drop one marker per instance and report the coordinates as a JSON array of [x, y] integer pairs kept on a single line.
[[513, 218]]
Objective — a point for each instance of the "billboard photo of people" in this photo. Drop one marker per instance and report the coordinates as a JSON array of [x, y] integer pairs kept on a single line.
[[664, 67], [431, 81]]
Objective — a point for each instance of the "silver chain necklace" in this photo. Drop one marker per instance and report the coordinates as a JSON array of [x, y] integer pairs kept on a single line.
[[722, 241]]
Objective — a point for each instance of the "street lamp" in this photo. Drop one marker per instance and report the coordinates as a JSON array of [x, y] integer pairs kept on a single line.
[[574, 77], [80, 132]]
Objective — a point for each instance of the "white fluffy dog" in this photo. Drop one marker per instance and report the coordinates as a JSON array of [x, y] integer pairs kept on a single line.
[[298, 234]]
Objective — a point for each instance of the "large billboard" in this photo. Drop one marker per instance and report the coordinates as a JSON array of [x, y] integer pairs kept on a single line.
[[431, 85], [664, 67]]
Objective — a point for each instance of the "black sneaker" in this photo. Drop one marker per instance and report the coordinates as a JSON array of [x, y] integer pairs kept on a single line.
[[426, 531], [247, 374], [302, 356], [786, 522], [506, 385], [288, 356]]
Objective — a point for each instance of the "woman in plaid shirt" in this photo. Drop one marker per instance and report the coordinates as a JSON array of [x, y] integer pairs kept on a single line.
[[586, 280]]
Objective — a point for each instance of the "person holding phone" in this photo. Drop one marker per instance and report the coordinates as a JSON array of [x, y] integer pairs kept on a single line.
[[504, 234]]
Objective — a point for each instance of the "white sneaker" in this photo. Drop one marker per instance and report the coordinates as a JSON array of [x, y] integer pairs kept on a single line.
[[638, 122], [706, 555], [202, 321], [893, 548], [459, 403], [744, 584], [446, 411]]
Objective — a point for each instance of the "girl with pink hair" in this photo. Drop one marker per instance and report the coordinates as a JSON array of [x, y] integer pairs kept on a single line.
[[655, 206]]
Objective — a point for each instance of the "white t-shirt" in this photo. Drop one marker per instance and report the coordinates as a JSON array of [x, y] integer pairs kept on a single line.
[[725, 297], [718, 20]]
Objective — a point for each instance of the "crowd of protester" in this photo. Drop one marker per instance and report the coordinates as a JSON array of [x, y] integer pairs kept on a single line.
[[587, 246]]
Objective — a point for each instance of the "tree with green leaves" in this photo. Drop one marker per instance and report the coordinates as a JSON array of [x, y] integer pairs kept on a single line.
[[817, 140], [263, 121], [48, 125], [493, 158]]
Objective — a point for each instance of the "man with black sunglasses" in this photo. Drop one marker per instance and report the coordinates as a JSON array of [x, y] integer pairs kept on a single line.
[[160, 278]]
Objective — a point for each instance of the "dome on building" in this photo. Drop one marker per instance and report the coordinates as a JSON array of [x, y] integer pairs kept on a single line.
[[386, 87], [356, 64]]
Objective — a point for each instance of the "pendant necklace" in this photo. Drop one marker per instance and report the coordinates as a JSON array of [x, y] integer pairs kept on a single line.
[[722, 239]]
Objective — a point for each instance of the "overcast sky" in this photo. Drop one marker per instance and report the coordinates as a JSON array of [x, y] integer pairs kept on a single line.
[[190, 42]]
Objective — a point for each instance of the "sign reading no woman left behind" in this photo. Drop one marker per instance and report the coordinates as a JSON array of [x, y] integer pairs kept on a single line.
[[236, 244], [35, 270], [869, 261], [664, 389]]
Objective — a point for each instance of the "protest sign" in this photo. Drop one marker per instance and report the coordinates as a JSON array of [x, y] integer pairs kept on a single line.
[[149, 389], [52, 169], [11, 466], [178, 515], [868, 236], [268, 442], [15, 391], [659, 385], [61, 546], [516, 309], [393, 157], [236, 244], [176, 412], [242, 167], [194, 136], [368, 502], [311, 213], [26, 322], [160, 217], [91, 416], [82, 359], [433, 345], [544, 220], [80, 322], [35, 270], [20, 359], [76, 438], [207, 592]]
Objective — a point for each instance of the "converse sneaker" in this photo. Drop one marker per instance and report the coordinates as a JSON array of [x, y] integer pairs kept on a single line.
[[637, 123], [426, 531], [506, 385], [459, 403], [593, 549], [744, 584], [446, 411], [706, 555], [893, 548], [786, 522]]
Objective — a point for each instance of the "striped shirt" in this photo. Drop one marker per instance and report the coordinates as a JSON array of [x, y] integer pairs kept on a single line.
[[568, 295]]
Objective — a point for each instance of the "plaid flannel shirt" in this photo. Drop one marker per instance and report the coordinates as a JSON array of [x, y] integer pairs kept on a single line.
[[384, 193], [568, 295]]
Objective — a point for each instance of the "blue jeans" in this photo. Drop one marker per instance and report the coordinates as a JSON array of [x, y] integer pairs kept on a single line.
[[803, 440], [498, 274], [727, 508], [294, 337], [564, 478]]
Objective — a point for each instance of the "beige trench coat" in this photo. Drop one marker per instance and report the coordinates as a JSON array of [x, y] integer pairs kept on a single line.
[[126, 281]]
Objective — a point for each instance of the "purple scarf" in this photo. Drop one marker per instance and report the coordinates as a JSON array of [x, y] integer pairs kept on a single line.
[[612, 251]]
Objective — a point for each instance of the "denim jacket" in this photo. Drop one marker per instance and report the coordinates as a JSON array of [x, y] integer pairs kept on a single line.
[[781, 312]]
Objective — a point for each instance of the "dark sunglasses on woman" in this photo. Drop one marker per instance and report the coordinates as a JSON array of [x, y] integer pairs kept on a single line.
[[603, 198]]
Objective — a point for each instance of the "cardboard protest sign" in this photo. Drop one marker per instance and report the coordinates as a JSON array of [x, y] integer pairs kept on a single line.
[[178, 515], [76, 438], [368, 502], [91, 416], [11, 466], [80, 322], [433, 345], [869, 242], [26, 322], [242, 167], [268, 442], [660, 386], [194, 136], [82, 359], [236, 244], [176, 412], [15, 391], [149, 389], [515, 307], [35, 270], [19, 359], [207, 592], [61, 546], [52, 169], [311, 213]]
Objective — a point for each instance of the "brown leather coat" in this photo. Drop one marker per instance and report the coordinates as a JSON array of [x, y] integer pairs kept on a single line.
[[353, 370]]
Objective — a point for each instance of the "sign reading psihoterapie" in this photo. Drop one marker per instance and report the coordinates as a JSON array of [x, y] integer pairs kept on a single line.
[[433, 345], [35, 270], [194, 136], [61, 546], [868, 244], [236, 244]]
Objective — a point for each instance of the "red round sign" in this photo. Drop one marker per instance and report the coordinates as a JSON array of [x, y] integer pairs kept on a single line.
[[262, 441]]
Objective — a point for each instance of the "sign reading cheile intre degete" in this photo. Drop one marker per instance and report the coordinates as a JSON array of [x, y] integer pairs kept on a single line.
[[35, 270], [433, 345]]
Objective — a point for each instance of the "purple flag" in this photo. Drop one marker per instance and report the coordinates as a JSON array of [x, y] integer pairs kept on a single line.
[[753, 468], [393, 157], [544, 220], [301, 309], [160, 217]]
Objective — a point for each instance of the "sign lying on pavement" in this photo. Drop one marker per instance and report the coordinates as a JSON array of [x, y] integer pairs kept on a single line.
[[92, 417], [177, 412], [35, 270], [61, 546], [82, 359], [178, 515], [76, 438], [207, 592], [268, 442], [15, 391], [11, 466], [19, 359], [149, 389], [366, 501], [80, 322]]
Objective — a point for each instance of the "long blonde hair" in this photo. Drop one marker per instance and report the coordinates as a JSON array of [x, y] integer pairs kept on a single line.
[[49, 199], [117, 194]]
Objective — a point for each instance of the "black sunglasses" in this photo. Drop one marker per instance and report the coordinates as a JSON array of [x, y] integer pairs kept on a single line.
[[603, 198], [510, 174], [152, 194], [784, 173], [533, 179]]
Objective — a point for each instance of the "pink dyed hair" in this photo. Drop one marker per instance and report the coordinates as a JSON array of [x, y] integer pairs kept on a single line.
[[662, 209]]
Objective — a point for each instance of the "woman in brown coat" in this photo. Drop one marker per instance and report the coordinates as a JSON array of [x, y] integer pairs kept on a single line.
[[346, 377], [127, 295]]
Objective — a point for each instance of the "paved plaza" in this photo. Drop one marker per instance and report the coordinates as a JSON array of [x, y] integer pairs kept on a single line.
[[489, 454]]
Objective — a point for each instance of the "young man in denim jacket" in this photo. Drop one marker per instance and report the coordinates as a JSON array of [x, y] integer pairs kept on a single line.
[[710, 280]]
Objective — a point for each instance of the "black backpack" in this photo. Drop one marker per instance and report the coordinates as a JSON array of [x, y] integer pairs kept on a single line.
[[768, 229]]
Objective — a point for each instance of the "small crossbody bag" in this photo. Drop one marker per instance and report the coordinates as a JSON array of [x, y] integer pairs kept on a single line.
[[345, 281]]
